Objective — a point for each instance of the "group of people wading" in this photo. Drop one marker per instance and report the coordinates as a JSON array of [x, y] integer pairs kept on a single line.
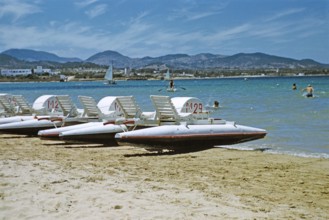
[[309, 90]]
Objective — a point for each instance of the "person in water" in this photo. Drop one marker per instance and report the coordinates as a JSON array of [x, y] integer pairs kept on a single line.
[[216, 104], [294, 86], [171, 84], [309, 90]]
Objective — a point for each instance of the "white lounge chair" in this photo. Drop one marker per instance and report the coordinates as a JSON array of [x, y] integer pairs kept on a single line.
[[93, 110], [166, 111], [68, 107], [7, 108], [23, 107], [131, 109]]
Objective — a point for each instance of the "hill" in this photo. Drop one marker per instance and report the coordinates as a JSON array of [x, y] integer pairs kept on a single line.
[[205, 61], [33, 55], [108, 57], [23, 58]]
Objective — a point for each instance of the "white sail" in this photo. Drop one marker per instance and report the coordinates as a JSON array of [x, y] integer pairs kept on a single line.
[[109, 75], [167, 77]]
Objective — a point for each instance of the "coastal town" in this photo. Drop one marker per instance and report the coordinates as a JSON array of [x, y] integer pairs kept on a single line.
[[30, 65], [97, 73]]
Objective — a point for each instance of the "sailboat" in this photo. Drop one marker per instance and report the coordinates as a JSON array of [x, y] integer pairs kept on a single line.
[[109, 76], [167, 77]]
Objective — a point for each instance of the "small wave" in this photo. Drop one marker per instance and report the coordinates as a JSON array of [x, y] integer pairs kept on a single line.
[[301, 154], [273, 151], [243, 148]]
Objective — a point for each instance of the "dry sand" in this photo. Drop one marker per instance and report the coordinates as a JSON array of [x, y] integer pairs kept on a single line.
[[48, 180]]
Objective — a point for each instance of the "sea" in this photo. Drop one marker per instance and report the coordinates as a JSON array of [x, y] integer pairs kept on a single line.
[[296, 125]]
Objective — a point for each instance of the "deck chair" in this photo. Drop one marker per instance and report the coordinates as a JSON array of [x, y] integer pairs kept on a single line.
[[91, 109], [68, 107], [24, 107], [131, 110], [166, 111], [6, 107]]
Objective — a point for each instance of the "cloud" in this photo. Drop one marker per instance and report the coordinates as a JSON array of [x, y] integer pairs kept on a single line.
[[285, 13], [93, 10], [146, 35], [84, 3], [228, 34], [96, 10], [17, 8], [198, 10], [287, 30], [74, 36]]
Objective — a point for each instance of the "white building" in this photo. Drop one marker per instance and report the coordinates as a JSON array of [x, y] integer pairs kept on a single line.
[[24, 72], [15, 72]]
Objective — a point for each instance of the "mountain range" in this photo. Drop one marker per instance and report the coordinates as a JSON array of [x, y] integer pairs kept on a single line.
[[13, 58]]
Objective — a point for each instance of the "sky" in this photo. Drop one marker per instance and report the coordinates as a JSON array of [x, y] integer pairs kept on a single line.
[[297, 29]]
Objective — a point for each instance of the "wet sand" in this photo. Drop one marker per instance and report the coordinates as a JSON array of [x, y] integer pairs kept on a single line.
[[49, 180]]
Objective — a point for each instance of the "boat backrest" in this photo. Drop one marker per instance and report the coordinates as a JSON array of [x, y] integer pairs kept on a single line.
[[6, 105], [130, 109], [129, 106], [68, 107], [90, 107], [166, 111], [23, 106]]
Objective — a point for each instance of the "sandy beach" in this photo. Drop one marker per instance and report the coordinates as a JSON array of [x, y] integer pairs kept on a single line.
[[49, 180]]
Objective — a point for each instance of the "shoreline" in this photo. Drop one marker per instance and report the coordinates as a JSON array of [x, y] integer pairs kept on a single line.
[[47, 179], [174, 78]]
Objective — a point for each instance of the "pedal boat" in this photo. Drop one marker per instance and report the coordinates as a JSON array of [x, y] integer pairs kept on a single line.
[[186, 137]]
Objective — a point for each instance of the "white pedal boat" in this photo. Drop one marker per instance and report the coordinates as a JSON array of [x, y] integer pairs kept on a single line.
[[31, 127], [189, 137], [70, 116], [109, 125], [104, 132], [17, 118], [180, 124], [100, 133], [43, 106], [53, 133]]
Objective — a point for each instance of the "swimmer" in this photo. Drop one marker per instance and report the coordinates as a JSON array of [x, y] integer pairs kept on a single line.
[[309, 90], [294, 86], [216, 104]]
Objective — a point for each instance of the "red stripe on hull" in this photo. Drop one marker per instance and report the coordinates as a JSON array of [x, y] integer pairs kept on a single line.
[[105, 139], [190, 140]]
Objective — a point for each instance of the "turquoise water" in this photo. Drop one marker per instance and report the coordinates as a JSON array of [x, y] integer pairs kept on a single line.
[[295, 124]]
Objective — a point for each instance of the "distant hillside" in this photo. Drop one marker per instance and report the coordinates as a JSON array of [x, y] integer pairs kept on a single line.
[[108, 57], [23, 58], [9, 62], [204, 61], [32, 55]]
